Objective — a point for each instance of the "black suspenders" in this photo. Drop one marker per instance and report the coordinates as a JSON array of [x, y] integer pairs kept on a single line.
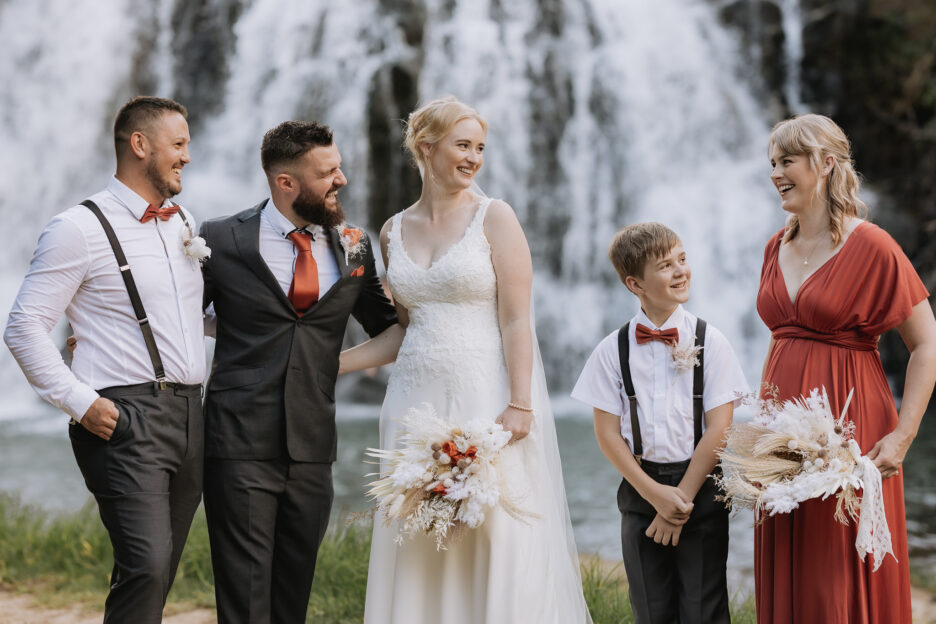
[[697, 408], [135, 300]]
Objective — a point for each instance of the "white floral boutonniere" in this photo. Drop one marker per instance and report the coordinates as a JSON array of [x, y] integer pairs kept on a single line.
[[351, 240], [685, 355], [193, 246]]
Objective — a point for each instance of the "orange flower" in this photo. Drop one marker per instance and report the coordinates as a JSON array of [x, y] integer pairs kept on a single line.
[[358, 272], [353, 235], [439, 489], [471, 452], [449, 448]]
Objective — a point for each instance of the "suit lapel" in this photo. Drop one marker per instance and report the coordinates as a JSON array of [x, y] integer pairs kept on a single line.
[[338, 251], [247, 239]]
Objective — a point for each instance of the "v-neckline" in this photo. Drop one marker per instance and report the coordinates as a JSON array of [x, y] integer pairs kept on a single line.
[[445, 254], [828, 262]]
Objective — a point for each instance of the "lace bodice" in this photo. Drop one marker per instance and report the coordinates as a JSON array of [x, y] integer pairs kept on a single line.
[[453, 333]]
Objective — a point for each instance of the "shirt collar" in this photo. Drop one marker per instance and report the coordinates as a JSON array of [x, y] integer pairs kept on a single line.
[[283, 226], [130, 198], [675, 319]]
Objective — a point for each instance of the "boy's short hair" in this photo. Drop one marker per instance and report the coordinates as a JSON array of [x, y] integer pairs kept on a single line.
[[637, 244]]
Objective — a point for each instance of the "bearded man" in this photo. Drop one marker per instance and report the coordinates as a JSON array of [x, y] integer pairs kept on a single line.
[[283, 278], [117, 267]]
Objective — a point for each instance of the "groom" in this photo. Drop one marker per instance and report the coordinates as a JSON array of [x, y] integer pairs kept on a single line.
[[284, 276]]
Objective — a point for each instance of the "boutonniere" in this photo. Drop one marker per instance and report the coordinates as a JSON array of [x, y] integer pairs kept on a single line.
[[351, 241], [685, 355], [193, 246], [358, 272]]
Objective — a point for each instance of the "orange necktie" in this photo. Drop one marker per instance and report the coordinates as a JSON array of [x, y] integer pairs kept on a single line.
[[644, 335], [152, 212], [304, 290]]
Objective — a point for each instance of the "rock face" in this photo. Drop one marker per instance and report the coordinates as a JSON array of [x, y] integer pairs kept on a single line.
[[871, 66]]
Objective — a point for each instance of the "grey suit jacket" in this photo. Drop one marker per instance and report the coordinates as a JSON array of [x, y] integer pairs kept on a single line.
[[272, 387]]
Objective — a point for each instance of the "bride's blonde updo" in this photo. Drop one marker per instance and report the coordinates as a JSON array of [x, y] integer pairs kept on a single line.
[[817, 136], [431, 122]]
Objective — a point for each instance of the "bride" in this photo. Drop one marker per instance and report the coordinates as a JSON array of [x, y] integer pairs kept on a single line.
[[460, 273]]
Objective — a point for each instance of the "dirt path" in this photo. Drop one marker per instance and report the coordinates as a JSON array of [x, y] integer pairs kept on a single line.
[[22, 609]]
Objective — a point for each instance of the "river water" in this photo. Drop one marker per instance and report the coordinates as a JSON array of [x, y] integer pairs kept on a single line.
[[37, 463]]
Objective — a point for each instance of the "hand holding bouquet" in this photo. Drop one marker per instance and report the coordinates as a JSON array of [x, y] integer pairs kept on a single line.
[[798, 450], [442, 478]]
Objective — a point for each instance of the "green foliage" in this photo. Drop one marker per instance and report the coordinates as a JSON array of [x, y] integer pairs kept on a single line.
[[67, 558]]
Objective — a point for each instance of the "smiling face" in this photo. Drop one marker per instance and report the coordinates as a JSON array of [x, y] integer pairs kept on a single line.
[[318, 177], [664, 285], [455, 160], [795, 180], [167, 141]]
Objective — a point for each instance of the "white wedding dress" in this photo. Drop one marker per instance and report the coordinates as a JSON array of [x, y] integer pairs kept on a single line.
[[507, 571]]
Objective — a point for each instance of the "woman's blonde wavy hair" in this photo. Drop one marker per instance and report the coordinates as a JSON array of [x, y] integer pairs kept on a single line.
[[817, 136], [432, 121]]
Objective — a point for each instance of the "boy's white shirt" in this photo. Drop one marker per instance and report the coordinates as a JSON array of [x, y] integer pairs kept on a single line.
[[664, 397]]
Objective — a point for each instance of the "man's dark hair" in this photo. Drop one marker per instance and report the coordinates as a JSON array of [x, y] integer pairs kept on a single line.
[[139, 113], [290, 140]]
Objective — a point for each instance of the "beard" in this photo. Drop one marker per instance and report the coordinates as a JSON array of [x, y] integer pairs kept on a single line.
[[166, 187], [314, 210]]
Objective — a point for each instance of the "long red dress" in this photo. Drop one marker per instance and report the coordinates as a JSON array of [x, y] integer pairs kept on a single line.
[[806, 567]]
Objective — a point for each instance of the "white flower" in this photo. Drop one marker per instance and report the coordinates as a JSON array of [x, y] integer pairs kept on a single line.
[[685, 355], [193, 246]]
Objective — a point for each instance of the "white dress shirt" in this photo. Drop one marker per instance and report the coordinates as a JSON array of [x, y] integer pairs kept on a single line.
[[664, 397], [279, 252], [74, 271]]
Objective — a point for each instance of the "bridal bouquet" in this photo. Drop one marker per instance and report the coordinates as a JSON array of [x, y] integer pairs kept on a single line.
[[798, 450], [441, 479]]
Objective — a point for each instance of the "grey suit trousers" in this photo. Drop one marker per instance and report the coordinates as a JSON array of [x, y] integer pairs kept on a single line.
[[147, 480]]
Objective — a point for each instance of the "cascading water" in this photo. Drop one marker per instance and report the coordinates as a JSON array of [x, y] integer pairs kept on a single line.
[[602, 113]]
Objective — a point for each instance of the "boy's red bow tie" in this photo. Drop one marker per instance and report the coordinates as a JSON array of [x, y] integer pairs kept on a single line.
[[645, 334]]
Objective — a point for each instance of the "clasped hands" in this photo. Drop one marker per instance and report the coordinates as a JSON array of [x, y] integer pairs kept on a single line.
[[673, 508]]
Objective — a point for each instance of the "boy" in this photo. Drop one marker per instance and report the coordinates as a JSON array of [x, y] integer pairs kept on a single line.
[[648, 394]]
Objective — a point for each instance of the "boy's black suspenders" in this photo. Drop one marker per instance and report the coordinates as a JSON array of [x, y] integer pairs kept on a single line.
[[127, 276], [697, 408]]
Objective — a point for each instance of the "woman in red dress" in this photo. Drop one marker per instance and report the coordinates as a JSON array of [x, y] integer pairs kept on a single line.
[[831, 284]]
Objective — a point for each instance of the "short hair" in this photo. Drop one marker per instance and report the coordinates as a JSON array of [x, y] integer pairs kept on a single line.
[[290, 140], [431, 122], [637, 244], [138, 115], [817, 136]]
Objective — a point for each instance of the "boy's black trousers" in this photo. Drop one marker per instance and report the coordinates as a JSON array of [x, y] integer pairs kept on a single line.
[[685, 583]]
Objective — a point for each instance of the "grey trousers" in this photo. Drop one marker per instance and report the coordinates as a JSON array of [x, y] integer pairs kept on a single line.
[[266, 520], [685, 584], [147, 480]]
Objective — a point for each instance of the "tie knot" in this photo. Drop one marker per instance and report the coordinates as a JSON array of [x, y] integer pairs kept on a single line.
[[302, 239], [644, 335], [163, 214]]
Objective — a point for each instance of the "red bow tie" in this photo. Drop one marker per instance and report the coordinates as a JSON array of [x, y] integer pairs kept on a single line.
[[153, 212], [644, 335]]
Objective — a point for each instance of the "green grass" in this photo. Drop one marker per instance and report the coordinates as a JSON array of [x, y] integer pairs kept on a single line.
[[66, 559]]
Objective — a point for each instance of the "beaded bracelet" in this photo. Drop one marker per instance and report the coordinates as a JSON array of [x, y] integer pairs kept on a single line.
[[520, 407]]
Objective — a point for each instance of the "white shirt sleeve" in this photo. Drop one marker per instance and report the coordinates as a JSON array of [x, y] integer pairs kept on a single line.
[[724, 380], [56, 272], [600, 383]]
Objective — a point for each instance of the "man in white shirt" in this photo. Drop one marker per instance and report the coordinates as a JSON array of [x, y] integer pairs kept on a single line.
[[284, 277], [134, 388]]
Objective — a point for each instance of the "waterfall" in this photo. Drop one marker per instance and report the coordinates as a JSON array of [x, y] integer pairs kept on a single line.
[[601, 112]]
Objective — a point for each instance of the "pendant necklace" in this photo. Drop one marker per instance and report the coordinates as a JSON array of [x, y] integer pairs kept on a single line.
[[806, 257]]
